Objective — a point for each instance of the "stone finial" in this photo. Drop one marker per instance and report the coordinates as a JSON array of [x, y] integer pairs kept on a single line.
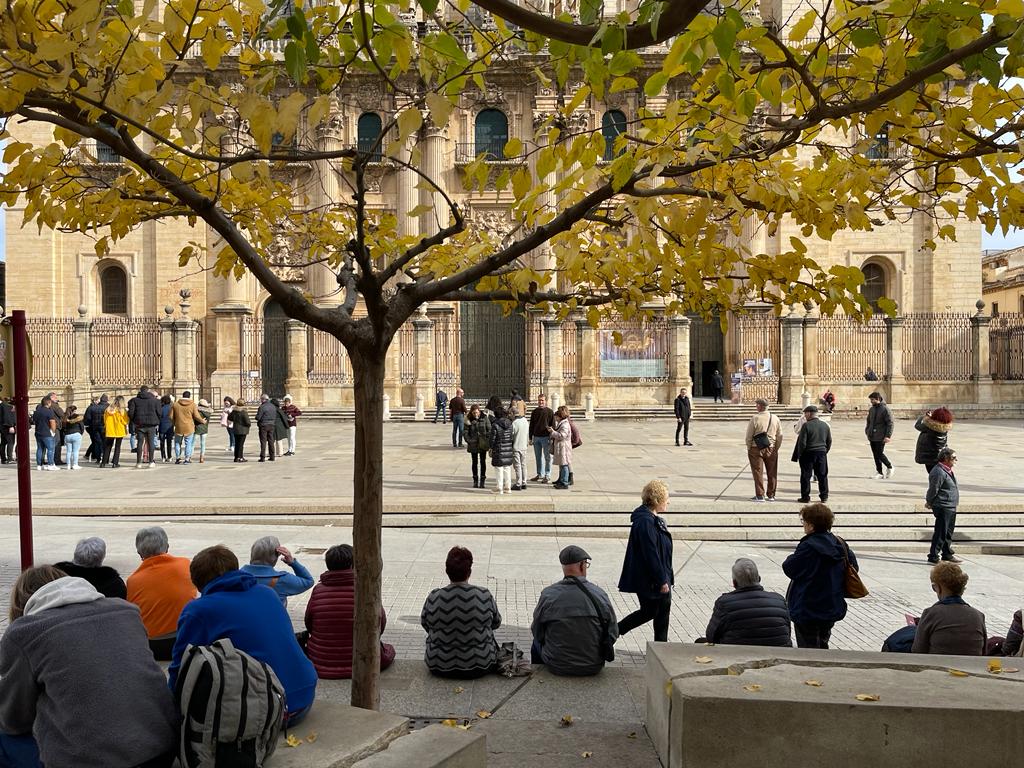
[[168, 310], [980, 305], [82, 310], [185, 294]]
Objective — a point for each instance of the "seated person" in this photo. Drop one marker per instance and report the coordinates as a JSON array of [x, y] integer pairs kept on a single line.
[[460, 620], [950, 626], [161, 586], [262, 559], [233, 605], [330, 619], [1011, 644], [567, 628], [87, 564], [749, 615], [78, 685]]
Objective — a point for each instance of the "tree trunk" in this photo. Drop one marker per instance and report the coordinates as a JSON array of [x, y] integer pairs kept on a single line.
[[367, 517]]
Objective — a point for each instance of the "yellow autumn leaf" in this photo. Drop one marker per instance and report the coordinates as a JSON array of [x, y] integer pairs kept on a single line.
[[958, 673], [632, 735], [668, 688], [460, 689], [814, 683], [292, 740], [586, 754], [483, 714], [1010, 670], [703, 659], [566, 721], [312, 737], [867, 697], [995, 666], [753, 687], [450, 723]]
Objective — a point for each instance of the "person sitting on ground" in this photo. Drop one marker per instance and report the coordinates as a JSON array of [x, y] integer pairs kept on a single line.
[[951, 626], [161, 586], [262, 559], [78, 685], [1011, 644], [233, 605], [573, 620], [87, 564], [828, 400], [460, 620], [330, 619], [749, 615]]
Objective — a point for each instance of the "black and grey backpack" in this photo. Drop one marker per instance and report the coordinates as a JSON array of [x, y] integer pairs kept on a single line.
[[232, 708]]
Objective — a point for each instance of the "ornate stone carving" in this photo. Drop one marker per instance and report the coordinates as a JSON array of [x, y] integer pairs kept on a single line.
[[494, 221], [370, 95], [282, 257], [331, 129], [491, 96]]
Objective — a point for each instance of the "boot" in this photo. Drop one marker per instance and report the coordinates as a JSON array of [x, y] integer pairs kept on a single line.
[[570, 478], [202, 458]]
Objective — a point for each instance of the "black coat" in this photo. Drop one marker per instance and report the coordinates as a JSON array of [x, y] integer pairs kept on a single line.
[[7, 415], [239, 421], [879, 423], [502, 452], [750, 616], [107, 581], [933, 438], [717, 382], [94, 415], [647, 564], [144, 410], [478, 434], [682, 406], [818, 572]]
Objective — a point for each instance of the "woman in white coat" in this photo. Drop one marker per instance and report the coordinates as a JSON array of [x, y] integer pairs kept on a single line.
[[561, 447]]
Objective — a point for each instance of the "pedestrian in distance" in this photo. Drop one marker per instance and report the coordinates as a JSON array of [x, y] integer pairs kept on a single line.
[[441, 406], [7, 430], [870, 375], [502, 450], [879, 431], [493, 403], [520, 441], [542, 419], [184, 417], [717, 386], [280, 427], [73, 431], [291, 410], [478, 442], [561, 441], [225, 412], [942, 498], [763, 440], [828, 401], [266, 417], [515, 402], [58, 438], [683, 410], [46, 426], [934, 427], [203, 427], [115, 427], [817, 572], [457, 406], [811, 451], [166, 429], [647, 566], [240, 425], [87, 425], [144, 415]]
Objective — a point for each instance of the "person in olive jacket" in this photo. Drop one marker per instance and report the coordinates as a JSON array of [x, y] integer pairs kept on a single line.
[[879, 432], [502, 450], [478, 441], [647, 566], [934, 427]]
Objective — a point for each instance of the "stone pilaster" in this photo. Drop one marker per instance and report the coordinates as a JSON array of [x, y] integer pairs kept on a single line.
[[552, 358], [434, 164], [679, 356], [587, 363], [791, 373], [894, 357], [227, 328], [423, 336], [325, 192], [296, 382], [981, 371], [167, 377], [407, 195], [811, 380], [83, 357]]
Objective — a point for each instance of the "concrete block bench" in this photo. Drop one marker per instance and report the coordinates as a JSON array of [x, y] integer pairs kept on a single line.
[[436, 746], [754, 706], [338, 736]]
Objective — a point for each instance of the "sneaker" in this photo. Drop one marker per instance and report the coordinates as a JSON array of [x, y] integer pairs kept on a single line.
[[41, 467], [803, 501], [537, 479], [952, 559], [560, 486], [151, 465], [499, 492], [545, 479], [688, 443], [177, 461], [189, 461], [757, 498], [878, 476], [77, 466], [769, 498], [933, 560], [889, 472]]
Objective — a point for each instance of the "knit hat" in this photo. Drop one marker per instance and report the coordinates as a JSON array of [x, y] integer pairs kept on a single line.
[[942, 415]]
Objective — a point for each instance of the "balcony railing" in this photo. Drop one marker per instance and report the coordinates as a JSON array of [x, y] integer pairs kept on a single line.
[[493, 150]]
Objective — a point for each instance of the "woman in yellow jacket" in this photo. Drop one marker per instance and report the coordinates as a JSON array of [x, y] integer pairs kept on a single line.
[[115, 422]]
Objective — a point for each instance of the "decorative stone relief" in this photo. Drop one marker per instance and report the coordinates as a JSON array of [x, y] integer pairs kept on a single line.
[[283, 260], [370, 95]]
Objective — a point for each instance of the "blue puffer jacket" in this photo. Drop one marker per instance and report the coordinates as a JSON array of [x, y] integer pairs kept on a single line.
[[251, 616], [817, 569], [648, 561]]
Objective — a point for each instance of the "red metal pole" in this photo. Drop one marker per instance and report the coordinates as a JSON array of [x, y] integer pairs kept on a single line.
[[20, 341]]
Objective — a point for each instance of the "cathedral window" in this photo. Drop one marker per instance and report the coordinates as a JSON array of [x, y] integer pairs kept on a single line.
[[874, 284], [613, 124], [491, 134], [113, 290], [367, 134]]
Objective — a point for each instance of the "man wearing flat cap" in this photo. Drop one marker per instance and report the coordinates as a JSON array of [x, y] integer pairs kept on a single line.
[[812, 447], [574, 625]]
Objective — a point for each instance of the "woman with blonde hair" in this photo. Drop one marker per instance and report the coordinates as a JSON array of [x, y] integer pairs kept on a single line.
[[115, 429], [647, 567], [561, 447]]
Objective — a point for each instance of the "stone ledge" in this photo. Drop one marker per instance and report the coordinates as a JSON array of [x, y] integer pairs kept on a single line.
[[344, 736], [436, 746]]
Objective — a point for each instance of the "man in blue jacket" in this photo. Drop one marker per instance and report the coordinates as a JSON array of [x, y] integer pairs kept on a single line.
[[233, 605]]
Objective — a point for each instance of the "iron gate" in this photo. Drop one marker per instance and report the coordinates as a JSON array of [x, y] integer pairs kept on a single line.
[[493, 351]]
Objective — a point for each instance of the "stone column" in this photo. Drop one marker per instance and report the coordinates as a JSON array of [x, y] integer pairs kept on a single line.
[[981, 371], [546, 201], [791, 373], [423, 335], [227, 321], [811, 380], [296, 382], [679, 356], [167, 377], [434, 164], [894, 357], [326, 191], [587, 363], [552, 358], [407, 194], [83, 358]]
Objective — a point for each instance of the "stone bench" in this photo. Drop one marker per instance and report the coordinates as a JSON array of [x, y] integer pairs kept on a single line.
[[753, 706]]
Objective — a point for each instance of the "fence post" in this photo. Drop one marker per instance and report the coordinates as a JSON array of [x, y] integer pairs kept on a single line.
[[811, 377], [184, 360], [586, 365], [982, 363], [423, 343], [167, 374], [791, 375], [83, 357], [679, 356], [894, 344], [552, 357], [296, 381]]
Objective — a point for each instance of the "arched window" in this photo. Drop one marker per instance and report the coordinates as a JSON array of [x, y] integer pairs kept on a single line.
[[879, 147], [491, 133], [613, 123], [113, 290], [874, 283], [368, 131]]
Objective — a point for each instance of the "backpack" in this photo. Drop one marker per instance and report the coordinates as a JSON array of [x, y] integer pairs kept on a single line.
[[574, 435], [232, 708]]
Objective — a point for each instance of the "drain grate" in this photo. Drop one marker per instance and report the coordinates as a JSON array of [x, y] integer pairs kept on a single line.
[[419, 723]]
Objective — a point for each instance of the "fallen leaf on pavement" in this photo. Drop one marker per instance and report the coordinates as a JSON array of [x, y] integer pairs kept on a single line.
[[668, 688], [814, 683], [1010, 670], [483, 714], [995, 666], [703, 659], [587, 754], [867, 697], [753, 687], [292, 740], [566, 721], [958, 673], [460, 689], [632, 735], [312, 737], [450, 723]]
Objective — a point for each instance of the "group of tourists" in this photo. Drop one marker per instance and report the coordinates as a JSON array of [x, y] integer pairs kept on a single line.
[[276, 423]]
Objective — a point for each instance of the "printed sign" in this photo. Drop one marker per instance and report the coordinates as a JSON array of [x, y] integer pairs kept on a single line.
[[636, 357]]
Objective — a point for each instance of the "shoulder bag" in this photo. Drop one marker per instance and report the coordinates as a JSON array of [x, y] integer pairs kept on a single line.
[[607, 644], [853, 587]]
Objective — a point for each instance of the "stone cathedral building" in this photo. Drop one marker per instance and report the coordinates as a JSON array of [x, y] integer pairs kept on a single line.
[[133, 316]]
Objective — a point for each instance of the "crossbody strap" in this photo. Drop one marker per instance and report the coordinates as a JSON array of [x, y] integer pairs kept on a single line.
[[593, 601]]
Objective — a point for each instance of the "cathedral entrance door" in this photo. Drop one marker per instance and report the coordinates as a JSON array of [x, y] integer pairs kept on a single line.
[[493, 352], [274, 360], [706, 354]]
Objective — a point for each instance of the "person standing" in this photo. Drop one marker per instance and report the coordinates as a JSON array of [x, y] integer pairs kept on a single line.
[[73, 430], [647, 567], [203, 427], [934, 427], [239, 421], [225, 412], [879, 431], [144, 414], [184, 417], [478, 441], [87, 418], [166, 429], [502, 451], [812, 447], [441, 406], [266, 416], [46, 425], [542, 419], [58, 438], [7, 430], [515, 402], [683, 410], [717, 386], [292, 412], [561, 441], [115, 427], [457, 408], [520, 439], [280, 427], [817, 572], [763, 439], [942, 498]]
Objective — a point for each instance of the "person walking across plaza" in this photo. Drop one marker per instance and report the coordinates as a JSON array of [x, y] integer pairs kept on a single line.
[[502, 450], [144, 414], [561, 447], [240, 424], [266, 416], [457, 408], [934, 427], [542, 419], [7, 430], [441, 406], [292, 412], [478, 442], [184, 416], [115, 427], [811, 451], [520, 440], [879, 431], [225, 412], [717, 386], [647, 566], [942, 498], [763, 439], [683, 410], [73, 430]]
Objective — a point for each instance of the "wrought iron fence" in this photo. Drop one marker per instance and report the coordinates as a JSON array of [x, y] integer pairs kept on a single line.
[[534, 356], [126, 351], [251, 341], [446, 353], [53, 351], [937, 346], [327, 359], [847, 348], [570, 358], [756, 338], [1006, 346], [633, 350]]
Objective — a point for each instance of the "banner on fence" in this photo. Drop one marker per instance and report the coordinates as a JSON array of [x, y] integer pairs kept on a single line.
[[636, 357]]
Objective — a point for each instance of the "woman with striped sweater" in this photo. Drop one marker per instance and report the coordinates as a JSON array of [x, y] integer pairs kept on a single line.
[[460, 620]]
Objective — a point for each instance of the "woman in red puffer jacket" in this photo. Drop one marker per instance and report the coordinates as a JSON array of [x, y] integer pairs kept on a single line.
[[330, 618]]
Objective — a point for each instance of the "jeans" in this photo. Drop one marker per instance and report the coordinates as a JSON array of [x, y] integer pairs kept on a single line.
[[813, 634], [231, 437], [504, 478], [942, 537], [112, 443], [542, 447], [189, 441], [479, 458], [519, 464], [266, 440], [563, 474], [202, 444], [816, 462], [73, 441], [19, 752], [239, 446], [291, 439], [654, 609], [443, 410], [458, 422], [45, 445], [166, 438], [684, 426], [878, 453], [146, 437]]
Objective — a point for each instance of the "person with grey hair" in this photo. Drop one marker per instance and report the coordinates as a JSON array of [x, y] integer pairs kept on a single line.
[[749, 615], [942, 498], [161, 586], [763, 439], [266, 418], [262, 559], [87, 564]]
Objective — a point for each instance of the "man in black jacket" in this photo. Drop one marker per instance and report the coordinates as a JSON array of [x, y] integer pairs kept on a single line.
[[749, 615], [59, 437], [144, 414], [811, 450], [879, 432], [7, 435], [683, 411]]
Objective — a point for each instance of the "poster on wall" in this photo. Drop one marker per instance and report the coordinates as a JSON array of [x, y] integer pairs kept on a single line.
[[765, 367], [637, 357], [750, 367]]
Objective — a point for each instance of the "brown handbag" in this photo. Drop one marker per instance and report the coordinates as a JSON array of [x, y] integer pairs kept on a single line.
[[853, 587]]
